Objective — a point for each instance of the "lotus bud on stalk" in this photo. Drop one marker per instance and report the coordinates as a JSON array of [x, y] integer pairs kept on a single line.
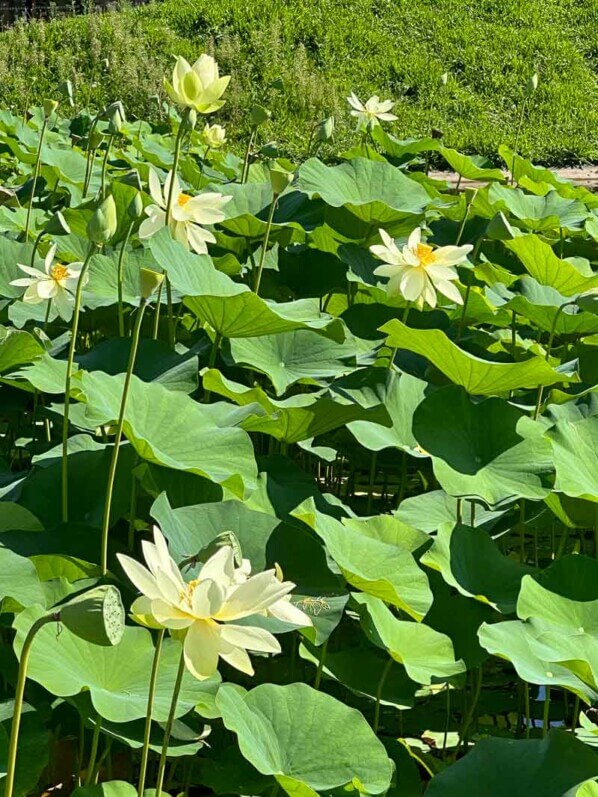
[[258, 116], [280, 179], [198, 87], [49, 107], [102, 225], [213, 136], [149, 282]]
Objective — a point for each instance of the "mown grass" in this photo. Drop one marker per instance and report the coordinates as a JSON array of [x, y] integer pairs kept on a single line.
[[323, 49]]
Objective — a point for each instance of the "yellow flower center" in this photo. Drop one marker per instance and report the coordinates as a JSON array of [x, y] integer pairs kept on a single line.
[[182, 200], [187, 593], [59, 272], [425, 253]]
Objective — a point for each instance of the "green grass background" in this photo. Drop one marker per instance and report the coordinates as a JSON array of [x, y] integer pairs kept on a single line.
[[323, 49]]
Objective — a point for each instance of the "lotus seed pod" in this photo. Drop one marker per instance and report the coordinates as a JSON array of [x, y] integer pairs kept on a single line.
[[325, 129], [103, 223], [97, 616], [259, 115], [149, 282], [57, 225], [95, 139], [279, 178], [135, 209], [49, 107]]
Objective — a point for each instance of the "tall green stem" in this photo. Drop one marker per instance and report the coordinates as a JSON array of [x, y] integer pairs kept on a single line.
[[18, 707], [546, 712], [260, 267], [379, 690], [67, 385], [121, 258], [245, 171], [35, 176], [35, 246], [523, 105], [169, 724], [95, 741], [148, 713], [119, 432], [104, 164], [318, 678]]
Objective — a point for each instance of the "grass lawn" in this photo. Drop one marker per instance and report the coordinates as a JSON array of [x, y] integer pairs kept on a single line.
[[323, 49]]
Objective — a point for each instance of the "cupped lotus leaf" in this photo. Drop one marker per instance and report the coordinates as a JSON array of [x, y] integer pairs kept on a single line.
[[518, 768], [540, 213], [17, 348], [372, 559], [477, 376], [466, 166], [549, 310], [514, 641], [488, 450], [189, 529], [540, 261], [373, 191], [305, 738], [117, 678], [428, 511], [229, 307], [427, 655], [173, 430], [296, 418], [19, 579], [290, 357], [575, 448], [470, 561]]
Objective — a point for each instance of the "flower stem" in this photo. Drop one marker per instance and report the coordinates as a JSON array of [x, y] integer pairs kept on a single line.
[[35, 246], [18, 707], [245, 171], [35, 176], [260, 267], [148, 715], [381, 683], [67, 385], [104, 163], [318, 678], [121, 258], [119, 432], [169, 724], [95, 740]]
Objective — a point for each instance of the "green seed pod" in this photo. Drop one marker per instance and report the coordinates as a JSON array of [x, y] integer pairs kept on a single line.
[[97, 616], [259, 115], [280, 178], [57, 225], [49, 107], [103, 223], [149, 282], [95, 139], [135, 209]]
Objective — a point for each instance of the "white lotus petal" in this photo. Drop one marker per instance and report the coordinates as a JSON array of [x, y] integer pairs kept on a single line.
[[201, 647], [141, 578], [250, 638]]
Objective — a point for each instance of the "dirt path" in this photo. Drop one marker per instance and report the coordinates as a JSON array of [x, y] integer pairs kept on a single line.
[[587, 176]]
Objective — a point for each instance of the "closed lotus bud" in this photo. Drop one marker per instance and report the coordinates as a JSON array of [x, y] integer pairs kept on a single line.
[[191, 120], [115, 106], [135, 209], [213, 136], [49, 107], [149, 282], [280, 178], [532, 83], [103, 223], [97, 616], [115, 121], [259, 115], [66, 89], [325, 129], [57, 225], [444, 79]]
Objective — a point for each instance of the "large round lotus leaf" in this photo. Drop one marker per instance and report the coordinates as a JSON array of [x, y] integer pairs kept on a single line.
[[305, 738], [470, 561], [518, 768], [573, 576], [547, 212], [17, 348], [171, 429], [575, 457], [488, 450], [544, 266], [547, 309], [373, 559], [426, 654], [477, 376], [116, 677]]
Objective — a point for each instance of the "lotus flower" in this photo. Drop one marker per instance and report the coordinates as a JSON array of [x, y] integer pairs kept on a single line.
[[372, 113], [205, 608], [56, 283], [418, 270], [213, 136], [199, 86], [187, 213]]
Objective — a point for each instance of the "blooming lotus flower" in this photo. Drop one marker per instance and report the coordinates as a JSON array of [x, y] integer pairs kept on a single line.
[[56, 283], [187, 213], [213, 136], [418, 270], [199, 86], [372, 113], [205, 608]]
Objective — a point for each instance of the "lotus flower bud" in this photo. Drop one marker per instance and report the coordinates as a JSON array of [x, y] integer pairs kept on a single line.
[[112, 108], [259, 115], [325, 129], [103, 223], [149, 282], [97, 616], [191, 118], [532, 83], [280, 178], [213, 136], [444, 78], [57, 225], [66, 89], [49, 107], [135, 209]]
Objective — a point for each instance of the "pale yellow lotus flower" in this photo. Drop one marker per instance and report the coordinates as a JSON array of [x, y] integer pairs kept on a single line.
[[213, 136], [205, 608], [418, 270], [199, 86], [56, 283], [372, 113], [187, 213]]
